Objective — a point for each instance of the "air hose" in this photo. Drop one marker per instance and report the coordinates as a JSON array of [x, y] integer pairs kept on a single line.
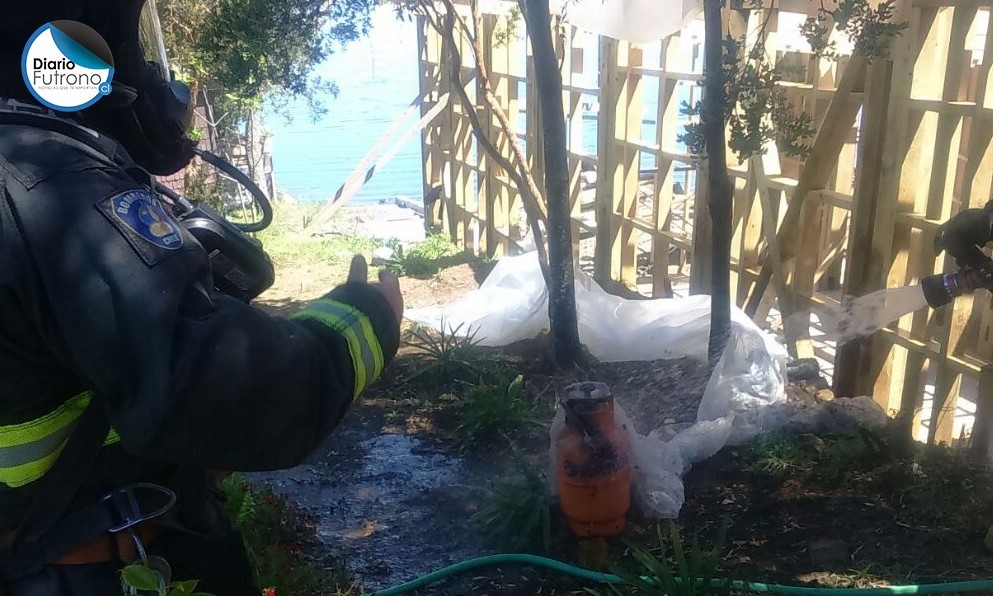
[[985, 585]]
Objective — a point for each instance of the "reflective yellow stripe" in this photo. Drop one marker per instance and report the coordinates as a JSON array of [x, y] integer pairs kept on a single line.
[[363, 346], [29, 449]]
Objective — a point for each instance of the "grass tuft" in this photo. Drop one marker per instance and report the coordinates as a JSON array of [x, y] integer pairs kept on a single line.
[[491, 412], [681, 571], [517, 514], [427, 257], [275, 534], [448, 358]]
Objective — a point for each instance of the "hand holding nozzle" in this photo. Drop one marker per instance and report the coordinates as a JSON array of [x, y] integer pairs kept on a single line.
[[962, 237]]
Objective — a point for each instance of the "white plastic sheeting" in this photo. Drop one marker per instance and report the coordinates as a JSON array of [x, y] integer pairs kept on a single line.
[[512, 305], [638, 21]]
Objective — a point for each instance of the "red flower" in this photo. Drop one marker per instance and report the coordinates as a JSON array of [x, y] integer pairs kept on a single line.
[[269, 592], [294, 548]]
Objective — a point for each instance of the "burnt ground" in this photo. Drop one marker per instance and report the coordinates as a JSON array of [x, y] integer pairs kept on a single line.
[[391, 494]]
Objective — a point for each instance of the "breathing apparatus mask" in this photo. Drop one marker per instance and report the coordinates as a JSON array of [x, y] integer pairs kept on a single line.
[[150, 113]]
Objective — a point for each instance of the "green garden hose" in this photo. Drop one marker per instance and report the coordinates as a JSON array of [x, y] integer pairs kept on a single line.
[[985, 585]]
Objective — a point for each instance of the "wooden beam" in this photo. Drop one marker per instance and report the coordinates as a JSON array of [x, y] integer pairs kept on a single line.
[[608, 166], [835, 127], [871, 229]]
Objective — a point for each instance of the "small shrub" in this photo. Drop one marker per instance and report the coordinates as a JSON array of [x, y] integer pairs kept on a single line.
[[142, 579], [427, 257], [695, 572], [447, 358], [273, 531], [940, 488], [828, 461], [517, 513], [489, 412]]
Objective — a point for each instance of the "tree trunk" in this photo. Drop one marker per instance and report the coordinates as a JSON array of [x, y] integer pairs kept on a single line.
[[718, 182], [256, 148], [561, 287]]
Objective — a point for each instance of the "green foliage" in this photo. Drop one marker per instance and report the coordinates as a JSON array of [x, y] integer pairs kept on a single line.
[[517, 513], [200, 184], [286, 246], [937, 488], [445, 358], [693, 572], [425, 258], [253, 47], [506, 32], [758, 109], [237, 53], [145, 580], [829, 461], [489, 412], [870, 29], [941, 488], [273, 531]]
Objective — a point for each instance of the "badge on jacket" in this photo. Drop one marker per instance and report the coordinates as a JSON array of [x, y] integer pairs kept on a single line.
[[144, 222]]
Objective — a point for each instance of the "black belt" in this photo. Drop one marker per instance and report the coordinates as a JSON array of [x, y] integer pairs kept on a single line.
[[120, 510]]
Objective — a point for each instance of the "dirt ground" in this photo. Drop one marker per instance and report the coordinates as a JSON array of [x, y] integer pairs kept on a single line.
[[391, 495]]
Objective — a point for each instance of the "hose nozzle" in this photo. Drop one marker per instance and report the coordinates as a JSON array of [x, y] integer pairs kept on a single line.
[[942, 288]]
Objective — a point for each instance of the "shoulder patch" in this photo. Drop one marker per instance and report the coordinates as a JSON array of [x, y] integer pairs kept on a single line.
[[144, 222]]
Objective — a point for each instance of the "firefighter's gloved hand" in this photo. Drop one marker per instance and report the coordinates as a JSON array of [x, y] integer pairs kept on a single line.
[[964, 234], [388, 284]]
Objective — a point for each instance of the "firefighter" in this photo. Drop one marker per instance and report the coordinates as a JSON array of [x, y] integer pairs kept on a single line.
[[124, 376]]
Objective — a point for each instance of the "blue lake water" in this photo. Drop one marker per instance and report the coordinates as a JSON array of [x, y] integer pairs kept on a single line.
[[377, 78]]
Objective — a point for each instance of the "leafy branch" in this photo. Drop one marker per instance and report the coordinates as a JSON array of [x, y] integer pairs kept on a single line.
[[759, 110]]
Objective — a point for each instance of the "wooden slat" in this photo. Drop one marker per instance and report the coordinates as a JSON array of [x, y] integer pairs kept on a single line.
[[834, 129], [608, 169], [871, 230]]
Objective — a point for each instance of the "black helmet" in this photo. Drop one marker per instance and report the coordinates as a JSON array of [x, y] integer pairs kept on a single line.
[[148, 111]]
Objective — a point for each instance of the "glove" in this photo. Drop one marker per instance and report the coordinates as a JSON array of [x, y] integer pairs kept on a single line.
[[964, 234]]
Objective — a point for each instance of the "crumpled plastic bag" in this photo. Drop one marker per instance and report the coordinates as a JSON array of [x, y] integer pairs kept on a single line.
[[637, 21], [512, 304]]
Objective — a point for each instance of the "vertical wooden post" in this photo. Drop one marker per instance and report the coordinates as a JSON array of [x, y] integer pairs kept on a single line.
[[494, 194], [573, 65], [446, 133], [982, 429], [626, 187], [871, 227], [608, 165], [951, 320], [891, 366], [535, 150], [666, 131], [432, 158]]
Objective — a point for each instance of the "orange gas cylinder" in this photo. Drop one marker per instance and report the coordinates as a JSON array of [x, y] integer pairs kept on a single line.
[[594, 476]]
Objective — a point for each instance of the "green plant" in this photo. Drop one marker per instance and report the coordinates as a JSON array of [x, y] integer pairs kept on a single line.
[[273, 532], [287, 246], [142, 579], [426, 258], [870, 29], [758, 110], [940, 488], [776, 454], [696, 572], [489, 412], [517, 513], [445, 357], [828, 461]]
